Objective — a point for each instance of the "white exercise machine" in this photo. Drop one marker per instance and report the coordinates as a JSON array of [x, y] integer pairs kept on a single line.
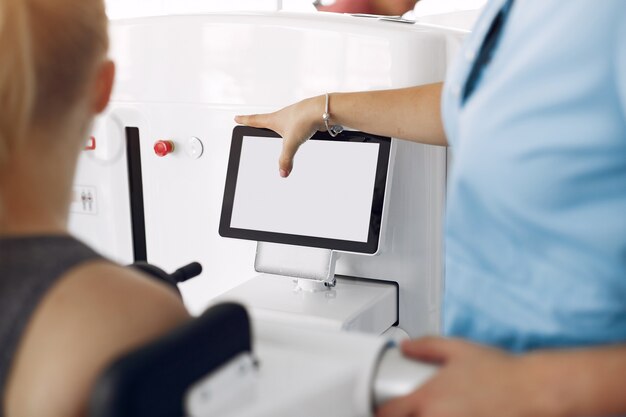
[[329, 292]]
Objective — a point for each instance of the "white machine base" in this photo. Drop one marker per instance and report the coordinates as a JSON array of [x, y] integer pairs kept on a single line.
[[303, 373], [307, 373], [352, 305]]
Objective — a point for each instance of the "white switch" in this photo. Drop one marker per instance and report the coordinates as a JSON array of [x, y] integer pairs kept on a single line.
[[194, 148]]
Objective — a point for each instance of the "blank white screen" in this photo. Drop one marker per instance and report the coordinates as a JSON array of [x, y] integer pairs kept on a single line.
[[328, 194]]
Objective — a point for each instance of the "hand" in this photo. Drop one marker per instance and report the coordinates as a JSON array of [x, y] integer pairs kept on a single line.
[[295, 123], [474, 381]]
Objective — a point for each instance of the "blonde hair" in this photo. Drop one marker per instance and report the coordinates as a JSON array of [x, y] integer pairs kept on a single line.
[[48, 51]]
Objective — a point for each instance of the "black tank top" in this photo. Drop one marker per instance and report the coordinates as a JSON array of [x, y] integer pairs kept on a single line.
[[29, 267]]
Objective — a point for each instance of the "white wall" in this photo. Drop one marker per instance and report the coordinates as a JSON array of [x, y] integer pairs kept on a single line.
[[134, 8], [430, 7]]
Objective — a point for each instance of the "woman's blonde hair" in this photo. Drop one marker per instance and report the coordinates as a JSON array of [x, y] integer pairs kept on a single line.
[[48, 50]]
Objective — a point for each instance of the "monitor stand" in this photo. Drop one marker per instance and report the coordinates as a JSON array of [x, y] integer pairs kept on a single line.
[[312, 269], [298, 286]]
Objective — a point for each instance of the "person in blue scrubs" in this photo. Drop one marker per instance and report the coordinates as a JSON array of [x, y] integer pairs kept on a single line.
[[534, 112]]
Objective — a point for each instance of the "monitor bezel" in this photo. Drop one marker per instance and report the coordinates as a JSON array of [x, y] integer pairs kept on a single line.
[[378, 199]]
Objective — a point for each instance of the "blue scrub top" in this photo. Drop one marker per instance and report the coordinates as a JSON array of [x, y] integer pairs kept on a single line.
[[536, 218]]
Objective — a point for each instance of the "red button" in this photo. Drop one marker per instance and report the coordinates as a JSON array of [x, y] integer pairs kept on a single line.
[[163, 147], [91, 144]]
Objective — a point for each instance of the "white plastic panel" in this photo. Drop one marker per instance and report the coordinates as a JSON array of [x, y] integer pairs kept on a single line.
[[412, 249], [352, 305], [303, 373], [268, 60], [104, 223]]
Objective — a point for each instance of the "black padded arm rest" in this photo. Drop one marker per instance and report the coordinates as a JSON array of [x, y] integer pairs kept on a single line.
[[152, 381]]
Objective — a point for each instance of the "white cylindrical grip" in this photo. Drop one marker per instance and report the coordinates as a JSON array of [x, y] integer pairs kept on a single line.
[[398, 376]]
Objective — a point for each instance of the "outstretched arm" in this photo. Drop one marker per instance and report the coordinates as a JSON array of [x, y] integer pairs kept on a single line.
[[477, 381], [407, 113]]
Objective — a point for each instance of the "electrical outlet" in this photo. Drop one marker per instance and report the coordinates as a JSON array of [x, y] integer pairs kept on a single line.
[[84, 200]]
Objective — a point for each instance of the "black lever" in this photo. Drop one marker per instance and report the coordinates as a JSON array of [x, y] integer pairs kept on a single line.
[[180, 275], [187, 272]]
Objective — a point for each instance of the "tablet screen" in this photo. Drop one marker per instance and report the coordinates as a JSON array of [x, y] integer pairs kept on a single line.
[[332, 199]]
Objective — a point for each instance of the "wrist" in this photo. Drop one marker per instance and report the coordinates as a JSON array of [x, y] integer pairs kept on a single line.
[[314, 110], [546, 388]]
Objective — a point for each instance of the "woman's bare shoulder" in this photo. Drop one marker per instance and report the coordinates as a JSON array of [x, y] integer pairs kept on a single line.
[[91, 316]]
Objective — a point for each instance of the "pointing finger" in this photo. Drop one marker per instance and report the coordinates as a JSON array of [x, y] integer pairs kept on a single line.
[[255, 120]]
